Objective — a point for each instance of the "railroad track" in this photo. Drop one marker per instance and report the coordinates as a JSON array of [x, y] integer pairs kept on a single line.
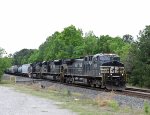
[[134, 92], [137, 92], [138, 89], [24, 81]]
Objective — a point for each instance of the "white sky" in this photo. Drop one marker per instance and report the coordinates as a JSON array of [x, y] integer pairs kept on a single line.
[[27, 23]]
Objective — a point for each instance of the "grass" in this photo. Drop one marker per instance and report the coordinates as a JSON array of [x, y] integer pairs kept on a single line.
[[6, 82], [78, 102], [147, 108]]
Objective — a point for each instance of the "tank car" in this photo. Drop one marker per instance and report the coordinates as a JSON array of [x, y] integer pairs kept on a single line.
[[13, 70], [26, 70], [19, 70]]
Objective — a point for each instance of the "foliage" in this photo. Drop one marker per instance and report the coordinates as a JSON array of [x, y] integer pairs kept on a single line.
[[70, 43], [4, 62], [21, 57], [90, 41], [128, 38], [147, 108], [140, 59], [34, 57], [114, 105], [61, 44], [2, 51]]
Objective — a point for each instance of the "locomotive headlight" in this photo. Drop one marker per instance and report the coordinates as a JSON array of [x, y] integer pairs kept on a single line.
[[122, 74], [111, 74]]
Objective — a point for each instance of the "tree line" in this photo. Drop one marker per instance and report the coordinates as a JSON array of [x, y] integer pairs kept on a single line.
[[72, 43]]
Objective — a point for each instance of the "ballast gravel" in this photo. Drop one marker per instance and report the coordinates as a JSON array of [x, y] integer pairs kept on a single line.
[[123, 100], [15, 103]]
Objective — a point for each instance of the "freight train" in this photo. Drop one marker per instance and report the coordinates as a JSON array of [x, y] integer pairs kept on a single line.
[[99, 70]]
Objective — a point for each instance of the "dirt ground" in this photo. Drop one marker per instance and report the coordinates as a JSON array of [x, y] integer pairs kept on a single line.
[[15, 103]]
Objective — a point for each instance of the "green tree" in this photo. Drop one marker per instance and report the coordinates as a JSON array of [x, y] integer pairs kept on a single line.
[[140, 59], [128, 38], [2, 51], [72, 38], [21, 57], [90, 42], [62, 44], [4, 62], [34, 57], [103, 44]]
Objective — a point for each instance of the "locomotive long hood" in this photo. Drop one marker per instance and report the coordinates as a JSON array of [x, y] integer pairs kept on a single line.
[[113, 63]]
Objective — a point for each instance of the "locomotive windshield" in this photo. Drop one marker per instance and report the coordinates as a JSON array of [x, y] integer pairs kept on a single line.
[[113, 57], [104, 58], [116, 59]]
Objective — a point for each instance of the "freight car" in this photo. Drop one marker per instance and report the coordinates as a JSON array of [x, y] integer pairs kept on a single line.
[[12, 70], [26, 70]]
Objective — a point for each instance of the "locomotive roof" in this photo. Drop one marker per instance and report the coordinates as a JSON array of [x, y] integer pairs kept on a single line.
[[26, 64], [79, 59], [105, 54], [111, 55]]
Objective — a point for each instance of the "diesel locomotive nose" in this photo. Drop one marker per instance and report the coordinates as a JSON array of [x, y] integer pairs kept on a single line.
[[114, 74]]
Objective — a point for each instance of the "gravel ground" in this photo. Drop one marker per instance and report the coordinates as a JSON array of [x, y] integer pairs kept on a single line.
[[123, 100], [15, 103]]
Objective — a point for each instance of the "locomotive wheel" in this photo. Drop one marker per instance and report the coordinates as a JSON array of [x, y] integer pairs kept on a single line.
[[93, 85], [62, 79], [68, 80]]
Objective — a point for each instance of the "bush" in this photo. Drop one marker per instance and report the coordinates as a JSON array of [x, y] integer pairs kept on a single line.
[[4, 63], [147, 108], [114, 105]]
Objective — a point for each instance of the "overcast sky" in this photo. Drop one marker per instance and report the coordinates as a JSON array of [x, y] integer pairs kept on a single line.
[[27, 23]]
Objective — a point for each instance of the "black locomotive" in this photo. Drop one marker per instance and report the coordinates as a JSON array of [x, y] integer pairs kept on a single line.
[[100, 70]]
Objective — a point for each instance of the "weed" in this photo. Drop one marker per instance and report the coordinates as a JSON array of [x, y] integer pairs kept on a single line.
[[101, 101], [147, 108], [36, 87], [12, 79], [52, 87], [5, 82], [66, 92], [104, 101], [114, 105], [107, 101]]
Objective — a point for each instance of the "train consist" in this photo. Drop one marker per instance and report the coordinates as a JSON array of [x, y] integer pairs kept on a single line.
[[100, 70]]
